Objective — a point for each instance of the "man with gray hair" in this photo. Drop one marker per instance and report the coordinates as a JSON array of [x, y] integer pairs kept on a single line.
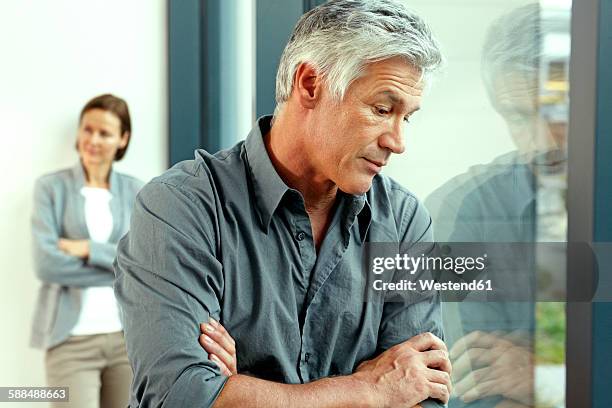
[[240, 281]]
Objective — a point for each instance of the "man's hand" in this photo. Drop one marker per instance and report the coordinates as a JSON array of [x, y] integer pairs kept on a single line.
[[220, 346], [74, 247], [405, 375], [490, 364], [410, 372]]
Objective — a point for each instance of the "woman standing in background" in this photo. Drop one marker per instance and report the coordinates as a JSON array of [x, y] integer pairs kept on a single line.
[[80, 213]]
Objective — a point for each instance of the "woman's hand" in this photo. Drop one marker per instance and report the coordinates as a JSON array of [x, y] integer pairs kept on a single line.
[[74, 247], [220, 346]]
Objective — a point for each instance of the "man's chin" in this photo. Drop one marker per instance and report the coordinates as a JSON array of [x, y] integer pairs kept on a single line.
[[357, 187]]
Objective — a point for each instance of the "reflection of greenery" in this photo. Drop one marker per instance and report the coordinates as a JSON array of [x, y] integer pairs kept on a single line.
[[550, 333]]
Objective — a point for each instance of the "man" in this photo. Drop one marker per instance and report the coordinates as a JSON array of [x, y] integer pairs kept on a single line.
[[266, 238]]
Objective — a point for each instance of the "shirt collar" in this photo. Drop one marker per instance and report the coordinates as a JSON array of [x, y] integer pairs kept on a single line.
[[364, 215], [270, 189], [358, 208]]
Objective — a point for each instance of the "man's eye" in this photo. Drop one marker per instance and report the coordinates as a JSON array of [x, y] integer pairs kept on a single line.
[[407, 119], [382, 110]]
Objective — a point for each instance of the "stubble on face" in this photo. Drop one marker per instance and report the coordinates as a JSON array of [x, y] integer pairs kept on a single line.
[[353, 139]]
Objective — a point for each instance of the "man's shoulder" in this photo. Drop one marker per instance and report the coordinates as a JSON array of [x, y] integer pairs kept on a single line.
[[393, 202], [387, 192], [200, 178]]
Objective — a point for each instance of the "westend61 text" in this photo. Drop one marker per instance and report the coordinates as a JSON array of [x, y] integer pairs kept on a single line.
[[427, 285]]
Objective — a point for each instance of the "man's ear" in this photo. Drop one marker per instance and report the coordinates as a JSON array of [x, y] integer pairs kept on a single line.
[[307, 85]]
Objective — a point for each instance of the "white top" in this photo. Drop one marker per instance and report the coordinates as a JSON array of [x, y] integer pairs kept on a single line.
[[99, 312]]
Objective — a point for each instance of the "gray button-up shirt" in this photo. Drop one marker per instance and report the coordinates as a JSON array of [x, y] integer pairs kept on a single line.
[[224, 236]]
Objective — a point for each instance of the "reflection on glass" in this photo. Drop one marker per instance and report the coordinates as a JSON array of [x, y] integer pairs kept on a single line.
[[511, 354]]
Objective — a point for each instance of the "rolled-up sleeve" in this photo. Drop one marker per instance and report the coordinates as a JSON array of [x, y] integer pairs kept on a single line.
[[168, 281]]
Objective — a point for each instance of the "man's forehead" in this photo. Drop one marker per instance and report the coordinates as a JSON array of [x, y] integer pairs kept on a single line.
[[392, 96], [397, 65], [392, 77], [397, 93]]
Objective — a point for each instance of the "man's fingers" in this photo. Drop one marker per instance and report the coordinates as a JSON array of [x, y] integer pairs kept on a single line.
[[475, 339], [439, 391], [440, 377], [217, 341], [471, 360], [219, 327], [221, 365], [217, 332], [438, 359], [480, 391], [464, 343], [473, 378], [213, 348], [479, 339], [426, 341]]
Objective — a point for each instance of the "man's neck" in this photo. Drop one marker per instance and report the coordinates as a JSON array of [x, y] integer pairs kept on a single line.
[[286, 150]]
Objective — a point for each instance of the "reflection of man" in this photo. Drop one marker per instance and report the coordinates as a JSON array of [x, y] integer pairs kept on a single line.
[[492, 347], [266, 238]]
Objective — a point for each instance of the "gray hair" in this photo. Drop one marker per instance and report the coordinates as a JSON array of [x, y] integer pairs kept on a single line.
[[513, 44], [339, 38]]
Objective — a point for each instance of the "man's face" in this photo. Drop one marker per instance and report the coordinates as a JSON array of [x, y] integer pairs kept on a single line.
[[516, 100], [353, 139]]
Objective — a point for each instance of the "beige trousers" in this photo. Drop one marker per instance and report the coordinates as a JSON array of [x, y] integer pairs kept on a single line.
[[94, 367]]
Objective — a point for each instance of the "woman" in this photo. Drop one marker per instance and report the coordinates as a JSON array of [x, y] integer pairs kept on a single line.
[[80, 213]]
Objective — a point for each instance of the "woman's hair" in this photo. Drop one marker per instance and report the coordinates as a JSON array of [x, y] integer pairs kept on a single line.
[[340, 37], [119, 107]]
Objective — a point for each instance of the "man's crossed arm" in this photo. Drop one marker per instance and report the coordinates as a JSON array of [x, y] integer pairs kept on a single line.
[[404, 375]]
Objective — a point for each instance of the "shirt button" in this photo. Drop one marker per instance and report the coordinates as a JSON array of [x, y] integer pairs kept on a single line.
[[306, 357], [300, 236]]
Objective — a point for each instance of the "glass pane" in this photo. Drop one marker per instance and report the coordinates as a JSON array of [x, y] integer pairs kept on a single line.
[[487, 154]]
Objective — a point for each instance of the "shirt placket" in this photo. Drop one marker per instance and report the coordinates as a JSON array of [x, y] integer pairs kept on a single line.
[[304, 240], [330, 255]]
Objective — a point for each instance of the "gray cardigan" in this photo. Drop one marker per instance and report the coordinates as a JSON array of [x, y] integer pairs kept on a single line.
[[59, 213]]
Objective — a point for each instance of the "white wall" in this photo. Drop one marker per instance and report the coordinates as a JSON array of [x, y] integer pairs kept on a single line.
[[54, 56]]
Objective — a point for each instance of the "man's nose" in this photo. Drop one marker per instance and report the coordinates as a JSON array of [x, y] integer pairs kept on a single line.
[[393, 139]]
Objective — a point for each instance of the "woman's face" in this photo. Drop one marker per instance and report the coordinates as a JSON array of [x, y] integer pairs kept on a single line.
[[100, 137]]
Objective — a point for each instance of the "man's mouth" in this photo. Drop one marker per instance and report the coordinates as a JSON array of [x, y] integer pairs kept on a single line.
[[375, 165], [376, 162]]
